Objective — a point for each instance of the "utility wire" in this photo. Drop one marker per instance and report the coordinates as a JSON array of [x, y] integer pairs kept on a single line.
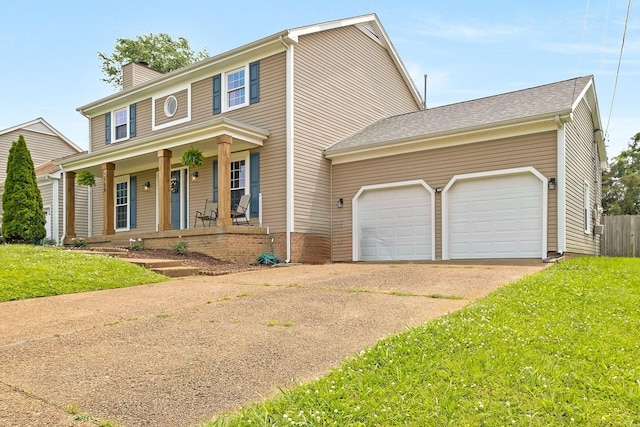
[[615, 85]]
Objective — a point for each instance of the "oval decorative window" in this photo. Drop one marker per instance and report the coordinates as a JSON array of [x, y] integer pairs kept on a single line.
[[170, 106]]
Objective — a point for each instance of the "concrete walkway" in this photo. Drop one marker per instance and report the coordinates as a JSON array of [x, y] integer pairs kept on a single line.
[[176, 353]]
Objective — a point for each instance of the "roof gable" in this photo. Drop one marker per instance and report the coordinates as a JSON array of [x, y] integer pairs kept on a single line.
[[275, 43], [40, 125]]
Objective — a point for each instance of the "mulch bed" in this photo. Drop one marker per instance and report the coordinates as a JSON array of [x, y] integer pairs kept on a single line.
[[208, 265]]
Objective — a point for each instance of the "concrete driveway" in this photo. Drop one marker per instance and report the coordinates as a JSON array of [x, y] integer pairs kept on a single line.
[[176, 353]]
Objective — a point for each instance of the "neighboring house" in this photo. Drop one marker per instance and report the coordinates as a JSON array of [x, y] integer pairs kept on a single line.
[[262, 114], [45, 145], [516, 175], [324, 128]]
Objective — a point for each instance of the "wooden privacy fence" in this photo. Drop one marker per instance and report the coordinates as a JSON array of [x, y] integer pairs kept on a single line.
[[621, 236]]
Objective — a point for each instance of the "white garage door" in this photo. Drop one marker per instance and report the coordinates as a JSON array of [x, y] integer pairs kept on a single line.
[[496, 217], [394, 224]]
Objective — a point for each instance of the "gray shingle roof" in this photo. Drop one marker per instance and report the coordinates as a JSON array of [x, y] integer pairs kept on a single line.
[[540, 101]]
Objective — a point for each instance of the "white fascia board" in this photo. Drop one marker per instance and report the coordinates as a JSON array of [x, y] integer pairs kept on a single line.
[[372, 18], [42, 121], [179, 137], [254, 51], [431, 142]]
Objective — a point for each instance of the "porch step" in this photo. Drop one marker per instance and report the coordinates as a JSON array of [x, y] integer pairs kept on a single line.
[[177, 271], [154, 263], [105, 252]]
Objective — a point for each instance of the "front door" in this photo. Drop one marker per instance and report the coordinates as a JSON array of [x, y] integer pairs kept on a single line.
[[178, 199]]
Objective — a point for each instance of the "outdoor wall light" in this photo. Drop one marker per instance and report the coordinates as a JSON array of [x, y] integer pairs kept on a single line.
[[147, 186], [340, 202], [552, 184], [438, 190], [194, 176]]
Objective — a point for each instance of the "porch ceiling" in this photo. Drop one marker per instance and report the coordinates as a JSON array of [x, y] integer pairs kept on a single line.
[[142, 154]]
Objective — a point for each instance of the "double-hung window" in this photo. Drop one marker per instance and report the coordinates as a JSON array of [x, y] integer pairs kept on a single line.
[[121, 124], [238, 174], [236, 88], [122, 202]]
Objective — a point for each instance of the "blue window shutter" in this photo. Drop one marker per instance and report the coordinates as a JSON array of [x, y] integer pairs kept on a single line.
[[133, 201], [254, 184], [254, 82], [132, 120], [215, 181], [217, 94], [107, 128]]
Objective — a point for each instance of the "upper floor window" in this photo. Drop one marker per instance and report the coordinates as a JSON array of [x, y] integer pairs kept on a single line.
[[235, 89], [120, 124], [121, 119]]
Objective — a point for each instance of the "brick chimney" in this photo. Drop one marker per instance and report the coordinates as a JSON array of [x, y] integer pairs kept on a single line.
[[135, 73]]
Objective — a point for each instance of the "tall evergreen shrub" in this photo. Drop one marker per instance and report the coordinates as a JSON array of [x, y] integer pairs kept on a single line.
[[23, 219]]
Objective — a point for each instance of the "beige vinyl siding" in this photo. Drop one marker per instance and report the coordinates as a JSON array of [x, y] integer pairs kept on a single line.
[[343, 82], [82, 209], [583, 165], [437, 167], [146, 200], [182, 111], [42, 147], [268, 114]]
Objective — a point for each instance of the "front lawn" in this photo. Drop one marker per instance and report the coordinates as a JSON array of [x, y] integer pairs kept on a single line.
[[560, 347], [35, 271]]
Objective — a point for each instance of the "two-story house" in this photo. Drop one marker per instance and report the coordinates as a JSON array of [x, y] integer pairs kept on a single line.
[[46, 146], [261, 114], [323, 127]]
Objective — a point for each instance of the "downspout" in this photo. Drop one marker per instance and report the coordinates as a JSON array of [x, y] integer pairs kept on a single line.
[[289, 147], [64, 205], [561, 186]]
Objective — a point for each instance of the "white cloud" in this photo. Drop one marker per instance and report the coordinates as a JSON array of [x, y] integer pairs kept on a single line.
[[433, 26]]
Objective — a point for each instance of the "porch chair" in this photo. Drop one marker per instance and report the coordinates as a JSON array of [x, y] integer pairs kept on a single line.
[[242, 209], [208, 214]]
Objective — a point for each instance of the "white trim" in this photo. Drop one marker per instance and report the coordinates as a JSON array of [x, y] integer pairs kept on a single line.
[[49, 208], [225, 88], [355, 234], [55, 132], [113, 125], [441, 140], [289, 149], [55, 215], [586, 207], [117, 180], [166, 93], [185, 179], [495, 173], [561, 190]]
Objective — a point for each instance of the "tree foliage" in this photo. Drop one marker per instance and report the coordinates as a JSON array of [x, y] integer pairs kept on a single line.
[[23, 218], [621, 183], [159, 51]]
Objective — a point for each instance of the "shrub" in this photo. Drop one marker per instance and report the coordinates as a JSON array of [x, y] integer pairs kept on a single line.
[[24, 218], [180, 247]]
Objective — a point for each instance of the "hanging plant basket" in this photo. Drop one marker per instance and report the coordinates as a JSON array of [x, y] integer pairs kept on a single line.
[[86, 178], [192, 157]]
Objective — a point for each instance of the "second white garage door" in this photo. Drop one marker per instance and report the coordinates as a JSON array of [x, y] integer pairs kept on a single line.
[[496, 217], [394, 223]]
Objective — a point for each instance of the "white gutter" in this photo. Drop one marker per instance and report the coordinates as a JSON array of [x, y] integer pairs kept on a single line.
[[289, 148]]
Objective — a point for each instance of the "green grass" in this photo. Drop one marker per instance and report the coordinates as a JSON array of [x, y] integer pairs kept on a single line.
[[35, 271], [560, 347]]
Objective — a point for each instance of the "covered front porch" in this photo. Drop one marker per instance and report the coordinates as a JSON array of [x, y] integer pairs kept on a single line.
[[144, 192]]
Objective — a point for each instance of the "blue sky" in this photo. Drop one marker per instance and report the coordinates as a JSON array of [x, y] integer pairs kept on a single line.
[[469, 49]]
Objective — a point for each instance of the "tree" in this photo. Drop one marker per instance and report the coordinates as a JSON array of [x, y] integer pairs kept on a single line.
[[621, 183], [24, 218], [159, 51]]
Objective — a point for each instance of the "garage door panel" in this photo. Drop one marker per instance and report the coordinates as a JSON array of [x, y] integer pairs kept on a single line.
[[495, 217], [397, 223]]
